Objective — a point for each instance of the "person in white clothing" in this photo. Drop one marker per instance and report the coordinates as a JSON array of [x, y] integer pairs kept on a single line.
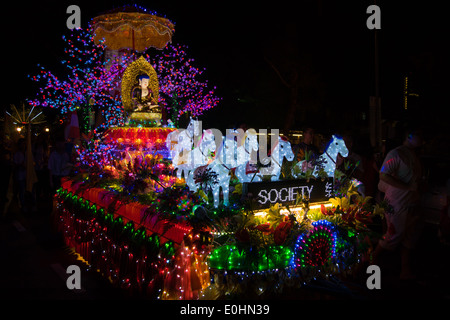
[[400, 176]]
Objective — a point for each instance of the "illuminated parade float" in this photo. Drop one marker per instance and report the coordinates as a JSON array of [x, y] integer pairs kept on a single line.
[[191, 213]]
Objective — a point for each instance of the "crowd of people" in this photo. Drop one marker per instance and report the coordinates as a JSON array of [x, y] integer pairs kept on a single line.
[[51, 161]]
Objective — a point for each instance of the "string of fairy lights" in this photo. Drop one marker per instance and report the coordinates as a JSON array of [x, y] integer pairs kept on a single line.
[[130, 218], [92, 79]]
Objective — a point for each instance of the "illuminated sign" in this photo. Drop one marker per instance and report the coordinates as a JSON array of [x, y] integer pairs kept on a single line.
[[264, 194]]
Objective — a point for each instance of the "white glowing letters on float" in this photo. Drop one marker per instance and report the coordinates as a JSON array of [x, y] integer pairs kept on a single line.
[[284, 194]]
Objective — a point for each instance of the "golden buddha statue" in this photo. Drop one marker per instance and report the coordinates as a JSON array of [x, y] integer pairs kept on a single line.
[[140, 95]]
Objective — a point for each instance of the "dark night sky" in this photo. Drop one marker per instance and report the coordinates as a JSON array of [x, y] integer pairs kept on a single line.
[[326, 40]]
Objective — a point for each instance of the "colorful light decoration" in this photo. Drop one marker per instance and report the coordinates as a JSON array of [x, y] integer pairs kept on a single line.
[[327, 160], [187, 276], [190, 274], [252, 259], [181, 90], [90, 79], [317, 247], [130, 257], [335, 146], [282, 149], [102, 222], [132, 27]]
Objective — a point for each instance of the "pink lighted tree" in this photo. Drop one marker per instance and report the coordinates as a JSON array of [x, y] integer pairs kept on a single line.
[[181, 88], [92, 80], [87, 79]]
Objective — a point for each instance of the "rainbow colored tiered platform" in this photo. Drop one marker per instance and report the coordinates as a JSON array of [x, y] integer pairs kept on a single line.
[[132, 138]]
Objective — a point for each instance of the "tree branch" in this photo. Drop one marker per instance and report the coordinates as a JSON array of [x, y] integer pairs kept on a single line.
[[277, 72]]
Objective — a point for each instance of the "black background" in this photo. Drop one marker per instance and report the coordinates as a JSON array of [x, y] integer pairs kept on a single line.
[[327, 41]]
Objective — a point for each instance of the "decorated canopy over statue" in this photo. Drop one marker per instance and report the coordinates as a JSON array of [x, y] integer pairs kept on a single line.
[[129, 27]]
